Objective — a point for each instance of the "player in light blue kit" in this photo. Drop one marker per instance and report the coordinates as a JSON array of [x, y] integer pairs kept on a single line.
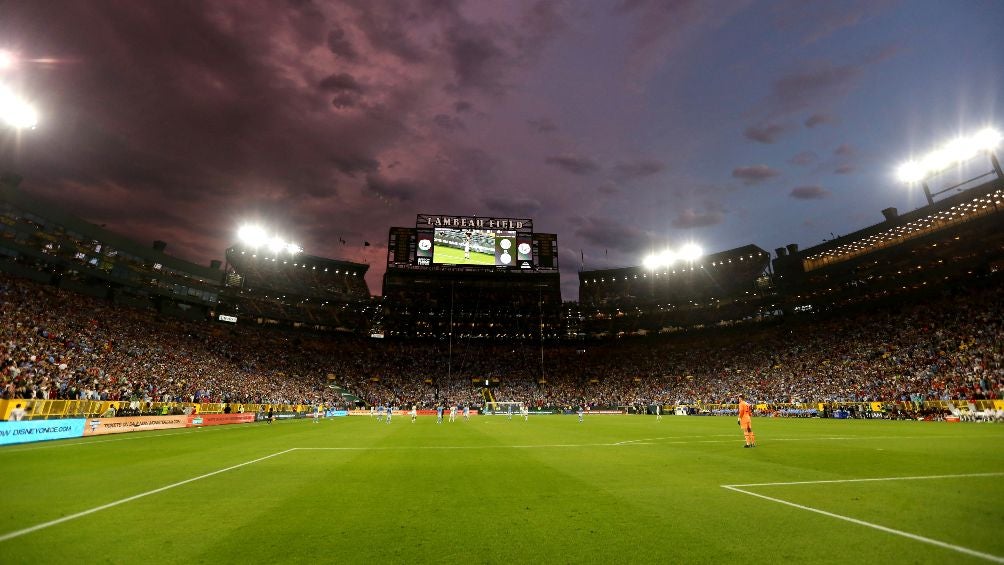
[[509, 411], [467, 412], [390, 412], [580, 412], [439, 414]]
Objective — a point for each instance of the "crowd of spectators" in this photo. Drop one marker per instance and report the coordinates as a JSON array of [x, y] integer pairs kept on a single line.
[[55, 344], [64, 346]]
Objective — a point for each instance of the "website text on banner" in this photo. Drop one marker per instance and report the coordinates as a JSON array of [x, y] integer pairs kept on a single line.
[[102, 426], [39, 430]]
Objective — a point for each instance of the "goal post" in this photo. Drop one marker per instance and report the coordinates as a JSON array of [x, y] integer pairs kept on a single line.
[[503, 408]]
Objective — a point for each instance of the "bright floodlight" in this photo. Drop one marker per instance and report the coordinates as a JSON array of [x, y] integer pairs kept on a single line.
[[666, 258], [15, 112], [276, 244], [987, 139], [956, 151], [911, 171], [6, 60], [690, 252], [253, 236]]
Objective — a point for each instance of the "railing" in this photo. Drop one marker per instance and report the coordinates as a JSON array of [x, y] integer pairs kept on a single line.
[[40, 409]]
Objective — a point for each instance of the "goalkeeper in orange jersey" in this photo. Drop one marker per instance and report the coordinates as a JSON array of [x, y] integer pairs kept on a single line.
[[745, 422]]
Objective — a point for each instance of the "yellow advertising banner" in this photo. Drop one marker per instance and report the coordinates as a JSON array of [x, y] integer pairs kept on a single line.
[[102, 426]]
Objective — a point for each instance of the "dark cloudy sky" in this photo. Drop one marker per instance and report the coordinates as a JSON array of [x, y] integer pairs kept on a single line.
[[622, 126]]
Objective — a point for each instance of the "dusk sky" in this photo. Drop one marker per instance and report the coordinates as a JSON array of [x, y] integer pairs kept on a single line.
[[621, 126]]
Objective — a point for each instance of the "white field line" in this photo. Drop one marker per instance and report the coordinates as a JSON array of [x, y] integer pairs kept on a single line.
[[915, 537], [820, 482], [36, 527], [18, 533]]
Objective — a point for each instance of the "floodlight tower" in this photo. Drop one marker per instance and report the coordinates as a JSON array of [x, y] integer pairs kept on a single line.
[[955, 152]]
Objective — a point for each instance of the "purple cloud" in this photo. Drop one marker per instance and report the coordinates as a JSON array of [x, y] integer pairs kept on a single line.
[[573, 164], [630, 170], [608, 234], [402, 190], [754, 174], [449, 123], [542, 125], [818, 119], [845, 150], [803, 158], [339, 44], [809, 192], [690, 218], [764, 133]]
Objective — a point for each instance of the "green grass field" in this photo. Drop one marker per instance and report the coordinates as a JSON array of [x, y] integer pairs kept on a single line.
[[454, 256], [551, 490]]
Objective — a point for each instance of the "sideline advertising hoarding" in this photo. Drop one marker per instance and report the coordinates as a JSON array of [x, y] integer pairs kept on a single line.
[[220, 419], [40, 430], [102, 426]]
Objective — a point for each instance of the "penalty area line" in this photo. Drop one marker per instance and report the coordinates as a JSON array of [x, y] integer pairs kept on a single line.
[[42, 526], [888, 530]]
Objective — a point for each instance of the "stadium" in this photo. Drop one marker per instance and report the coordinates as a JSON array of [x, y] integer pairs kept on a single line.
[[898, 321], [813, 403]]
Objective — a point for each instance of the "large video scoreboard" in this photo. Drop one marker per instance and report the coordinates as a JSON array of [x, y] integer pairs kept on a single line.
[[472, 243]]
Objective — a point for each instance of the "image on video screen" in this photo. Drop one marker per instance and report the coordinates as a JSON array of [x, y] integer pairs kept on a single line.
[[471, 247]]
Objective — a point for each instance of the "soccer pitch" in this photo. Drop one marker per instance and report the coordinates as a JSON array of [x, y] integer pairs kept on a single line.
[[612, 489], [446, 254]]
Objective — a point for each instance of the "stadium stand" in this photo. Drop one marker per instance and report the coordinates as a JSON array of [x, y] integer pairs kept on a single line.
[[912, 326]]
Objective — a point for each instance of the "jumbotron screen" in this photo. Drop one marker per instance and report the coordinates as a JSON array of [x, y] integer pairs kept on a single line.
[[477, 247], [439, 241]]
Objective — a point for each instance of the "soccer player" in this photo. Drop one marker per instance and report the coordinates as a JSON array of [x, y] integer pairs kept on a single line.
[[658, 411], [467, 412], [467, 245], [317, 413], [453, 413], [580, 413], [526, 413], [414, 413], [439, 413], [745, 418], [390, 412], [509, 411]]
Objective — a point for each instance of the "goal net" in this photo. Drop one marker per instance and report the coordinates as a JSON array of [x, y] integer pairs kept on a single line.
[[498, 408]]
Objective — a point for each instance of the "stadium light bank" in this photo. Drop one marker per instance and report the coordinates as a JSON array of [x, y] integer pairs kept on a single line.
[[256, 237], [687, 253], [955, 152], [15, 111]]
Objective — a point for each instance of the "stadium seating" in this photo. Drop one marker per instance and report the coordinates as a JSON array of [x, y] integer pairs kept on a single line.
[[62, 345]]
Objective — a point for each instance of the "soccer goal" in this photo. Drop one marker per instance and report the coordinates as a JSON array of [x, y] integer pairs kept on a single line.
[[499, 408]]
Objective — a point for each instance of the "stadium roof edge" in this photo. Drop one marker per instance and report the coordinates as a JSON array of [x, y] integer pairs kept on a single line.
[[53, 212], [905, 218]]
